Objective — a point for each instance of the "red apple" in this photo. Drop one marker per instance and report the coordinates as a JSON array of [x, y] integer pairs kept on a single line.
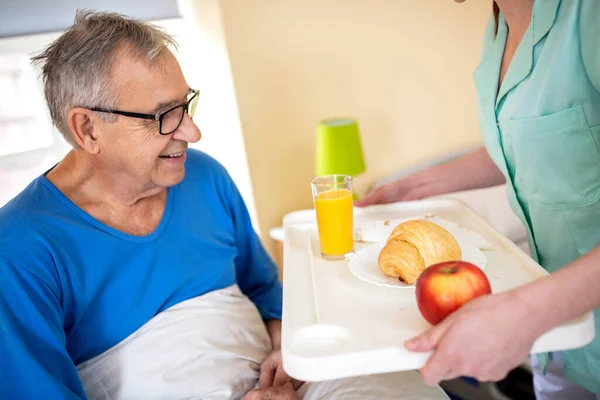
[[444, 287]]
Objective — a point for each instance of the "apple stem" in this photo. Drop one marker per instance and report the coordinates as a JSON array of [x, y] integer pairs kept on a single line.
[[449, 270]]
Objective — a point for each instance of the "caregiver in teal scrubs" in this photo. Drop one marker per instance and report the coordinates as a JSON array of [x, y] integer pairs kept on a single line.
[[538, 87]]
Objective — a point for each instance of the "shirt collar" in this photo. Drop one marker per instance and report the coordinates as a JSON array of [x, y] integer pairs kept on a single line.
[[543, 17]]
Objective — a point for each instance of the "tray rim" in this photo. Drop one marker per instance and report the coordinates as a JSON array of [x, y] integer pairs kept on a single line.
[[307, 367]]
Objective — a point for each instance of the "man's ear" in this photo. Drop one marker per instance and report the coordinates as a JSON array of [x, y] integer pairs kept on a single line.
[[83, 125]]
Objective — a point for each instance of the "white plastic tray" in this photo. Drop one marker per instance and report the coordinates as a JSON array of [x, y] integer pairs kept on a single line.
[[336, 325]]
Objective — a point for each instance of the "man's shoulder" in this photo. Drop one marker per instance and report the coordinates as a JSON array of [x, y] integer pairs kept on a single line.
[[203, 167], [21, 219], [200, 159], [25, 255], [22, 208]]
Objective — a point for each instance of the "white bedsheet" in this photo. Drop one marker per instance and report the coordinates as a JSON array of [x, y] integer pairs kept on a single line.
[[210, 347]]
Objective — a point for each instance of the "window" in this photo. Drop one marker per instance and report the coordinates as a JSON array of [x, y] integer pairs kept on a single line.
[[29, 144], [23, 120]]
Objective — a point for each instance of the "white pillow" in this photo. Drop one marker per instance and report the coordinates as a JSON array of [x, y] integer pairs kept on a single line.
[[207, 347]]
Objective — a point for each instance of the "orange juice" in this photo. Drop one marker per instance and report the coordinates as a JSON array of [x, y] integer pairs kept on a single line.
[[334, 219]]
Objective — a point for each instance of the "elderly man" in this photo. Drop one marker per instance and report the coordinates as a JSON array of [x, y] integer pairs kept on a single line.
[[131, 270]]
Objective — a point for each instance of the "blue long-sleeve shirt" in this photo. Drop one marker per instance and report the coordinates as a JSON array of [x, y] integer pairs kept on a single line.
[[72, 287]]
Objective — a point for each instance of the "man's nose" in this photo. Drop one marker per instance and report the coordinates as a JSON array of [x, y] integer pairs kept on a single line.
[[187, 131]]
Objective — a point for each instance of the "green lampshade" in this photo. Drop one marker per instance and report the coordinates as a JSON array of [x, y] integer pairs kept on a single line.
[[339, 149]]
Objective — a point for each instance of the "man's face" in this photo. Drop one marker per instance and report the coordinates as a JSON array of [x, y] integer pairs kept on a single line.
[[131, 148]]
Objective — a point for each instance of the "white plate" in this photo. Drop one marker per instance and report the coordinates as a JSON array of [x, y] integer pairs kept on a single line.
[[364, 264], [376, 231]]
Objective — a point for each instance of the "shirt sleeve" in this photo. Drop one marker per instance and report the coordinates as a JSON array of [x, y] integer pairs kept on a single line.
[[256, 272], [34, 361], [589, 32]]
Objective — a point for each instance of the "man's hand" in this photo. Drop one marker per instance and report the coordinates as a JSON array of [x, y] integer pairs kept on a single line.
[[484, 339], [285, 392], [272, 373], [271, 369]]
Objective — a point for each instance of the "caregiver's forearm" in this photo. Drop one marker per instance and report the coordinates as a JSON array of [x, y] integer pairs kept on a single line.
[[473, 171], [274, 329], [565, 294]]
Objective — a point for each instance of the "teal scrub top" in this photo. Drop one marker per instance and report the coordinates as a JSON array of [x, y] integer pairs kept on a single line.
[[542, 129]]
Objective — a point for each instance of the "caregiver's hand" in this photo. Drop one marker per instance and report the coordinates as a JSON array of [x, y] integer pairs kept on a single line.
[[404, 189], [472, 171], [484, 339]]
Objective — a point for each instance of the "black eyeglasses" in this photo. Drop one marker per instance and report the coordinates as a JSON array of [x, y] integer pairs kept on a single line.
[[168, 121]]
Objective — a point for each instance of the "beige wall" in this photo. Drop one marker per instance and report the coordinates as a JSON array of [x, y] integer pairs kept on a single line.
[[402, 67], [202, 54]]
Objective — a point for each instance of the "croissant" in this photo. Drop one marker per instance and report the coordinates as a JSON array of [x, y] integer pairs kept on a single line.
[[413, 246]]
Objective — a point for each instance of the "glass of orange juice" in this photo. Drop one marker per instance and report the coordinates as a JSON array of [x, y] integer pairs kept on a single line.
[[333, 200]]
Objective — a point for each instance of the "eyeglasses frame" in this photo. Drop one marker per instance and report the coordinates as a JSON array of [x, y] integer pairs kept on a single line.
[[158, 116]]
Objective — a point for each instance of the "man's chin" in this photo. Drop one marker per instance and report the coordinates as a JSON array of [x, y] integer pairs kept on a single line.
[[171, 179]]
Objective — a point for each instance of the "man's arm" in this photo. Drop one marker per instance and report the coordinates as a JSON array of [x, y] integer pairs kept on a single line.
[[256, 273], [272, 373], [34, 363], [257, 277], [274, 329]]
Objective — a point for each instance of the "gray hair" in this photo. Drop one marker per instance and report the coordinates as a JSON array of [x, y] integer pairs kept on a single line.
[[76, 66]]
